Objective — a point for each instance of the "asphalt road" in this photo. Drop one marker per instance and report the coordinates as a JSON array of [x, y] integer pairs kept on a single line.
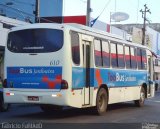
[[116, 113]]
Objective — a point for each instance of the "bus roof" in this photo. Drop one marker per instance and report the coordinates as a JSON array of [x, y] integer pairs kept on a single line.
[[81, 28]]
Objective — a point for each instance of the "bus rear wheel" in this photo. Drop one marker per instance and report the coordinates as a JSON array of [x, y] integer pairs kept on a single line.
[[50, 108], [101, 102], [140, 102]]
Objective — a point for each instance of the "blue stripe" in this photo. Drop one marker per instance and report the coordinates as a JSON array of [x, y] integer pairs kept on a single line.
[[111, 77], [34, 77]]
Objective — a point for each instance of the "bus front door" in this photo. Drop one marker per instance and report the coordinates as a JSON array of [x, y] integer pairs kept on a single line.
[[86, 65], [151, 88]]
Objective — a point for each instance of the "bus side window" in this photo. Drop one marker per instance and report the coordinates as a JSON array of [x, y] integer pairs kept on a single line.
[[133, 58], [114, 55], [97, 52], [120, 53], [105, 54], [144, 59], [75, 47], [139, 58], [127, 57]]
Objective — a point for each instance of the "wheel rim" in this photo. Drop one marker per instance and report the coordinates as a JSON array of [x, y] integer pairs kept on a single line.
[[142, 95], [101, 102]]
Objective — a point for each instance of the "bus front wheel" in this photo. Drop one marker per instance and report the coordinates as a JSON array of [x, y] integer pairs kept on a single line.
[[101, 102], [140, 102]]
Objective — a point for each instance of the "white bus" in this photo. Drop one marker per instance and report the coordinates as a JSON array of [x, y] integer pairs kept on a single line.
[[58, 65]]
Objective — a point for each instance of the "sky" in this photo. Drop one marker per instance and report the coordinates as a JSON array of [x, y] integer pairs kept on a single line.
[[78, 7], [131, 7]]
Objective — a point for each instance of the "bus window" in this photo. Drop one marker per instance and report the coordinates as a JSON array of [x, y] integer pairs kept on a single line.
[[120, 56], [97, 52], [114, 55], [75, 47], [127, 57], [105, 54], [133, 58], [35, 41], [144, 59], [139, 58]]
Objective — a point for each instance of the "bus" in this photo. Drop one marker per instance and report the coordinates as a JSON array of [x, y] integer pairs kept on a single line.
[[56, 65]]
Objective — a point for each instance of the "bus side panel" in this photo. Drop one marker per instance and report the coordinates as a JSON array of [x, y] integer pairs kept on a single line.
[[123, 85], [34, 77], [119, 78]]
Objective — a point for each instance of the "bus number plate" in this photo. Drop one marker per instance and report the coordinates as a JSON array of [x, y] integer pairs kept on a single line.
[[33, 98]]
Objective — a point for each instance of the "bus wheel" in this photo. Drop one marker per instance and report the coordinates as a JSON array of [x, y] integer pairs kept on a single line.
[[140, 102], [3, 106], [101, 102], [156, 87], [50, 108]]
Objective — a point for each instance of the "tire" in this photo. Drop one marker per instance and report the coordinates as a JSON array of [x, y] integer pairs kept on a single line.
[[50, 108], [3, 106], [156, 87], [140, 102], [101, 102]]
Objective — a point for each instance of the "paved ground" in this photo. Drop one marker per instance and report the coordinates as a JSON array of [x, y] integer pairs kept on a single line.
[[117, 113]]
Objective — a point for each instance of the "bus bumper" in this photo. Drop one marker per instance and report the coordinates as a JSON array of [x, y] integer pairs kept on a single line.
[[35, 96]]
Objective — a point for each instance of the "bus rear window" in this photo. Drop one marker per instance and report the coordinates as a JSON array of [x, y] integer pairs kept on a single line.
[[35, 41]]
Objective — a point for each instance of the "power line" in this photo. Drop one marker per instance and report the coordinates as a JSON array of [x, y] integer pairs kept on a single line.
[[105, 7], [93, 21]]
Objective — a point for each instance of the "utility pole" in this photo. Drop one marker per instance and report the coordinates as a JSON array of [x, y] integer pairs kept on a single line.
[[144, 22], [37, 16], [88, 13]]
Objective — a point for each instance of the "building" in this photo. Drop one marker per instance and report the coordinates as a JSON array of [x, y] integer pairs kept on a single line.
[[5, 24]]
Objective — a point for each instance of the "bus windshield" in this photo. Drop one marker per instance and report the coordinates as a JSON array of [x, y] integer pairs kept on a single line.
[[35, 41]]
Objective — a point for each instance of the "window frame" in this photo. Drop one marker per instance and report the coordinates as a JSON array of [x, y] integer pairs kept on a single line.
[[115, 43], [101, 60], [118, 55], [106, 41], [79, 48], [135, 57], [35, 34], [129, 54]]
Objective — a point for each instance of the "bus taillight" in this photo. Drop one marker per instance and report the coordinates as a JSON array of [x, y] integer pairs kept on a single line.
[[64, 84]]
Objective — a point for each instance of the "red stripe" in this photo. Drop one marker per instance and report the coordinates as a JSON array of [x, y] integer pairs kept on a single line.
[[144, 59], [127, 57], [139, 58], [120, 56], [97, 53], [133, 58], [108, 28], [105, 54], [113, 55], [75, 19]]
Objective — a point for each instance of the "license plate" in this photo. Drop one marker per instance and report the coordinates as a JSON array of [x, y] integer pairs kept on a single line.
[[33, 98]]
